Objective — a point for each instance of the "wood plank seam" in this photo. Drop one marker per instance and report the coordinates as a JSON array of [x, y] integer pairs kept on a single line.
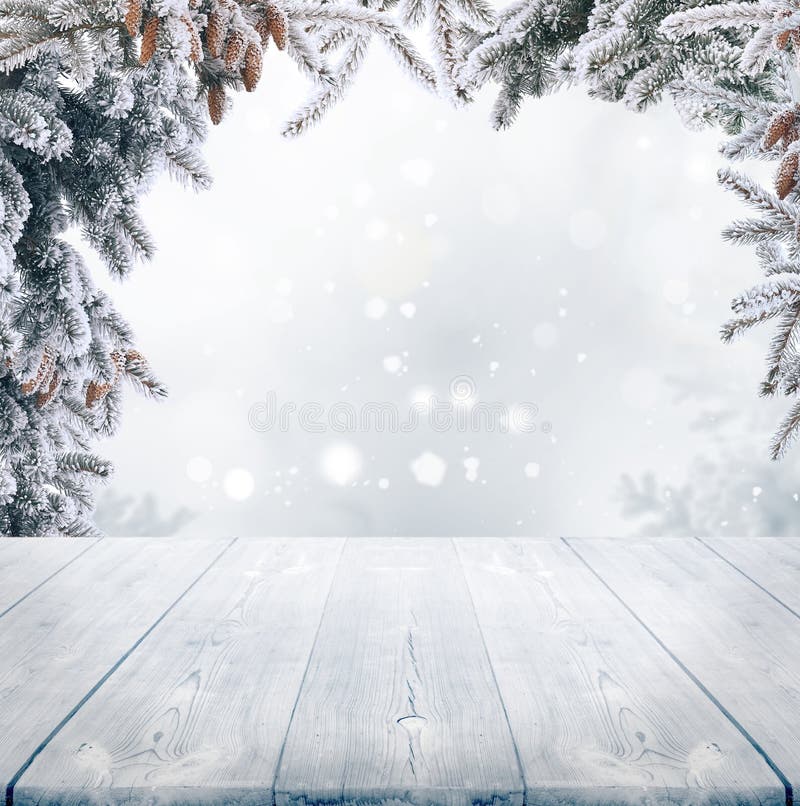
[[305, 671], [699, 683], [494, 675], [747, 576], [93, 690], [47, 579]]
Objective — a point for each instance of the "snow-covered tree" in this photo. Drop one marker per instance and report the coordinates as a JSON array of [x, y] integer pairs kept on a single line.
[[728, 64], [97, 98]]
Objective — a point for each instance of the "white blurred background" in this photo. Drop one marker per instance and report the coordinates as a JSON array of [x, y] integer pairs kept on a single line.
[[573, 261]]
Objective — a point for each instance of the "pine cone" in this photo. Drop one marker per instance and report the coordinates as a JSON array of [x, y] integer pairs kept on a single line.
[[43, 398], [262, 29], [196, 52], [133, 17], [48, 376], [42, 375], [134, 356], [234, 49], [149, 40], [96, 391], [118, 359], [787, 172], [779, 127], [781, 40], [277, 22], [216, 103], [215, 33], [253, 63]]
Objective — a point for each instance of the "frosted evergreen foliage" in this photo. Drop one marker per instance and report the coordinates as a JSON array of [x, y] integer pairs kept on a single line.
[[97, 98], [733, 65]]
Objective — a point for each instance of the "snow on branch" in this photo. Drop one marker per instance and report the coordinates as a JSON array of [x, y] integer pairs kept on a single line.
[[97, 98], [704, 19], [728, 64]]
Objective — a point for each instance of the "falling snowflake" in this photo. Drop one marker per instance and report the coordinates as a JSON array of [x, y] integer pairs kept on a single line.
[[429, 469], [238, 484], [341, 463], [471, 465], [532, 470]]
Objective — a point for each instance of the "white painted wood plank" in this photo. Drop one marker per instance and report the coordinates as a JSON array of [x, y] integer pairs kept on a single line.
[[772, 562], [738, 642], [600, 713], [57, 644], [199, 712], [27, 562], [399, 704]]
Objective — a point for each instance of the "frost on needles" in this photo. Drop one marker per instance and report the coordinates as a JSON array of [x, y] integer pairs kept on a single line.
[[97, 98], [732, 65]]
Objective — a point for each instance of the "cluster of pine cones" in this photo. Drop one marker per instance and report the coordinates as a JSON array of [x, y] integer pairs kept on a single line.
[[47, 380], [230, 36], [783, 128]]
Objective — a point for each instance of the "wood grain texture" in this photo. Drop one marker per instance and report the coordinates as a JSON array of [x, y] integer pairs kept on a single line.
[[200, 712], [772, 562], [58, 643], [737, 641], [399, 705], [26, 563], [600, 713]]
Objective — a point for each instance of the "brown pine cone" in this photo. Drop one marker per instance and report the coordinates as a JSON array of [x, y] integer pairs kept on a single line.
[[137, 357], [133, 17], [781, 40], [277, 22], [118, 359], [779, 127], [253, 63], [787, 173], [149, 40], [262, 29], [216, 103], [48, 376], [234, 49], [196, 52], [42, 375], [97, 391], [43, 398], [215, 33]]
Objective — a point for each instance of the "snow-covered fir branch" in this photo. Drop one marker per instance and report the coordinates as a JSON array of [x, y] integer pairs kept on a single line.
[[733, 65], [97, 98]]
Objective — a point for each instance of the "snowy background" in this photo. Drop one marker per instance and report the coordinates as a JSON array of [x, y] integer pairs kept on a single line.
[[573, 262]]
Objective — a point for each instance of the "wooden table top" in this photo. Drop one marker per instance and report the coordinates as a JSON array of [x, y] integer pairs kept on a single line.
[[403, 671]]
